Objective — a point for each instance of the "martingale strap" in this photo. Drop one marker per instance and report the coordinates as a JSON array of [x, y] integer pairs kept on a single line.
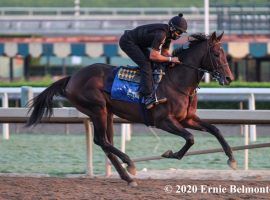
[[129, 74]]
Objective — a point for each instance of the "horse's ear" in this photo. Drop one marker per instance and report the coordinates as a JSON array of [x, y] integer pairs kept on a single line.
[[220, 36], [213, 37]]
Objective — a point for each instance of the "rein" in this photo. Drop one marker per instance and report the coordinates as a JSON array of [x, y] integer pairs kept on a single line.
[[196, 68], [215, 74], [195, 90]]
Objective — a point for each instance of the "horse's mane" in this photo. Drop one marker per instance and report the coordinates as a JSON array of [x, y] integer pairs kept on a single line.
[[197, 37], [192, 40]]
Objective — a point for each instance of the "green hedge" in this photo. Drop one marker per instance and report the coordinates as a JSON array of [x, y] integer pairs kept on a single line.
[[237, 84], [47, 81], [44, 82]]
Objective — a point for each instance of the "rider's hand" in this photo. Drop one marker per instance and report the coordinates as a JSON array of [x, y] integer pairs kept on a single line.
[[175, 60], [172, 64]]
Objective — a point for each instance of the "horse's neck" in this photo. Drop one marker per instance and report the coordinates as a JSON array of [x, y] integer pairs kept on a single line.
[[184, 78]]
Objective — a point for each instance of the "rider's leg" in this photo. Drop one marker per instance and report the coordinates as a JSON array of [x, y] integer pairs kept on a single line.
[[139, 57]]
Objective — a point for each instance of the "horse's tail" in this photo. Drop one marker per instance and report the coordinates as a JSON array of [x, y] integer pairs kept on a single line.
[[43, 103]]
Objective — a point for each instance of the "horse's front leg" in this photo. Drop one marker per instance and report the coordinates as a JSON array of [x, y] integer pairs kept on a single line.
[[171, 125], [197, 124]]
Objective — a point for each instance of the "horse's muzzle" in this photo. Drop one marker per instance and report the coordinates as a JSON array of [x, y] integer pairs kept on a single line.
[[224, 80], [228, 80]]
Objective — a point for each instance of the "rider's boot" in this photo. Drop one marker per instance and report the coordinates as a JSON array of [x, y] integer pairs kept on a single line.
[[151, 100], [147, 86]]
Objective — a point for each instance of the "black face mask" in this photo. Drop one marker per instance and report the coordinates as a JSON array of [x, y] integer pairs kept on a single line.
[[174, 36]]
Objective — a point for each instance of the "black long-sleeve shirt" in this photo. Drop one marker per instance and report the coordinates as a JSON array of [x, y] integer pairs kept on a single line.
[[155, 36]]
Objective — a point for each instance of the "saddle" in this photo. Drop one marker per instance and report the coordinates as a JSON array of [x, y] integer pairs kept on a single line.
[[126, 82], [129, 73]]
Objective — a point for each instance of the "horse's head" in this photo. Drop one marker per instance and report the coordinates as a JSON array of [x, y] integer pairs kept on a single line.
[[216, 61]]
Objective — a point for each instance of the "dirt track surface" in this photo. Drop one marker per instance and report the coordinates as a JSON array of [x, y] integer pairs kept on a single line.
[[98, 188]]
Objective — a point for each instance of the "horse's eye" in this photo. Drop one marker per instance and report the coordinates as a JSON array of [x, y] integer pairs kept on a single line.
[[216, 55]]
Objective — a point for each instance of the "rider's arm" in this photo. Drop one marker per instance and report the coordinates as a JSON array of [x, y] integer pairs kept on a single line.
[[157, 45], [165, 48], [157, 57], [165, 52]]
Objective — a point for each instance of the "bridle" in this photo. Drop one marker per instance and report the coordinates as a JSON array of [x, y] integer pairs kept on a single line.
[[214, 64], [214, 72]]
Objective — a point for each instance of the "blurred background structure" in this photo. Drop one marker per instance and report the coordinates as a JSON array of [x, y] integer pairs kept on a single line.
[[57, 37]]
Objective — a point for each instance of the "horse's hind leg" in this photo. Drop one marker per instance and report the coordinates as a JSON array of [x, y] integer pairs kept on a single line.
[[99, 118], [121, 171], [197, 124], [93, 104]]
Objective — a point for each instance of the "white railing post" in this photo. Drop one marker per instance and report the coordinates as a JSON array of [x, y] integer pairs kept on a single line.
[[89, 147], [26, 95], [108, 167], [128, 132], [123, 137], [246, 128], [5, 126], [77, 8], [206, 31], [252, 128], [241, 106]]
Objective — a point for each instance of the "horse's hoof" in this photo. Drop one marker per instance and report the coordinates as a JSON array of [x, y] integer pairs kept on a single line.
[[167, 154], [232, 164], [132, 170], [133, 184]]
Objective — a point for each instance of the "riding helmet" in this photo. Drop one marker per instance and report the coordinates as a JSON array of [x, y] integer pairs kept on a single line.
[[178, 23]]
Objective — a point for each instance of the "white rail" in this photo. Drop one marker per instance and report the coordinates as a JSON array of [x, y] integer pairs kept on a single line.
[[72, 115], [227, 94], [240, 94], [203, 93]]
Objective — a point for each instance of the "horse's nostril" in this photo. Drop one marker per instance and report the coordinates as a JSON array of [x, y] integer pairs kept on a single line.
[[228, 79]]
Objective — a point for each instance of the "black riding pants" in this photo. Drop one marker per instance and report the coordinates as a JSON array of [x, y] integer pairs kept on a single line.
[[141, 57]]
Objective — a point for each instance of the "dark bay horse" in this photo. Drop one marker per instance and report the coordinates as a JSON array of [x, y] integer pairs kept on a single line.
[[85, 90]]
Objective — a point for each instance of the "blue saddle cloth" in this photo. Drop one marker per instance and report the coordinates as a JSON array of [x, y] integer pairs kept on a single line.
[[126, 84]]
